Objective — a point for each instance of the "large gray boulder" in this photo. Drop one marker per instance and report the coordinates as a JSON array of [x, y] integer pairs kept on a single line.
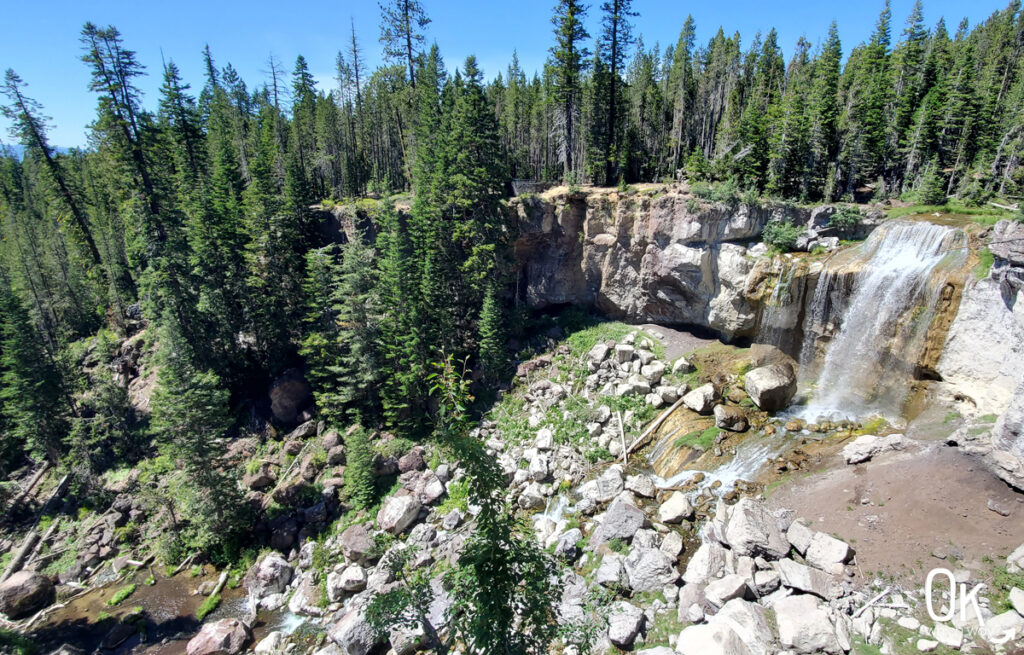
[[710, 639], [701, 399], [803, 578], [676, 509], [731, 418], [621, 521], [724, 589], [357, 543], [604, 488], [867, 446], [752, 530], [804, 625], [224, 637], [828, 553], [710, 561], [624, 623], [771, 387], [353, 633], [25, 593], [649, 569], [750, 623], [398, 513], [272, 576]]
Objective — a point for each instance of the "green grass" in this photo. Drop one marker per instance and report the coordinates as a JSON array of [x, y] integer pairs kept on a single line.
[[1002, 582], [208, 606], [703, 439], [121, 594], [984, 215], [458, 497]]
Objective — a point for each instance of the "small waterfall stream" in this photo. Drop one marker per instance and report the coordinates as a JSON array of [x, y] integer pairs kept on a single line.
[[882, 296]]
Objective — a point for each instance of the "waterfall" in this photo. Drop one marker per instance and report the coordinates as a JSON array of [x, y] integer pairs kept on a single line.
[[871, 311]]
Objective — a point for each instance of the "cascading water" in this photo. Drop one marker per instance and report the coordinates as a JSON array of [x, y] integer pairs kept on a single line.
[[882, 295], [779, 322]]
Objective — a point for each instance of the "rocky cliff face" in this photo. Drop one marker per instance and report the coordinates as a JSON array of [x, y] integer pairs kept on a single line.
[[665, 258], [983, 360]]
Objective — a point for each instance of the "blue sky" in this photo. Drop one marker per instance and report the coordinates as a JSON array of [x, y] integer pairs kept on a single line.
[[40, 40]]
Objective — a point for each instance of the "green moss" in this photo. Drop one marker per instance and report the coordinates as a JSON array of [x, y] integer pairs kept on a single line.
[[985, 261], [458, 497], [703, 439], [208, 606], [121, 594]]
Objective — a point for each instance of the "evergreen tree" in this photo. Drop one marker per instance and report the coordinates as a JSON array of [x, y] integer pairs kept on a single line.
[[492, 357], [568, 65], [614, 44], [401, 25]]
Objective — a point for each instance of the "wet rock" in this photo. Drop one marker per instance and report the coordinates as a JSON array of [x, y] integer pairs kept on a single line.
[[729, 417], [701, 399], [771, 387], [398, 513], [224, 637], [25, 593]]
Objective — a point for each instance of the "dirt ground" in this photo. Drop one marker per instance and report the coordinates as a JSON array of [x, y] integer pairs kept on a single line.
[[676, 342], [908, 512]]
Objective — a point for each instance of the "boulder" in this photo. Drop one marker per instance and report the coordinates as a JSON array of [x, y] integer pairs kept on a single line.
[[709, 562], [771, 387], [724, 589], [828, 553], [804, 578], [672, 544], [272, 576], [800, 536], [598, 353], [605, 487], [1015, 560], [998, 626], [701, 399], [624, 623], [752, 530], [353, 633], [25, 593], [867, 446], [624, 353], [649, 569], [710, 639], [357, 543], [731, 418], [804, 625], [398, 513], [641, 485], [949, 636], [411, 461], [612, 572], [567, 545], [676, 509], [750, 623], [653, 372], [682, 367], [621, 521], [270, 644], [224, 637], [353, 578]]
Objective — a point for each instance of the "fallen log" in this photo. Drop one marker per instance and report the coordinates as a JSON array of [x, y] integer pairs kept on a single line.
[[642, 439]]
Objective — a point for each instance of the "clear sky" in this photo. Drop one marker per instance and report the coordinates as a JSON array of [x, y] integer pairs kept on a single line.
[[40, 38]]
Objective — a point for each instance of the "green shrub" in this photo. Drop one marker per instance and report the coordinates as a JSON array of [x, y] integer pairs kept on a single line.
[[211, 603], [727, 192], [121, 594], [781, 236], [702, 190], [846, 219]]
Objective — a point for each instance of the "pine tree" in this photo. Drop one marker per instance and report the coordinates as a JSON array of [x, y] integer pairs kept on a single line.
[[359, 469], [614, 44], [492, 357], [33, 402], [568, 65], [401, 25]]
